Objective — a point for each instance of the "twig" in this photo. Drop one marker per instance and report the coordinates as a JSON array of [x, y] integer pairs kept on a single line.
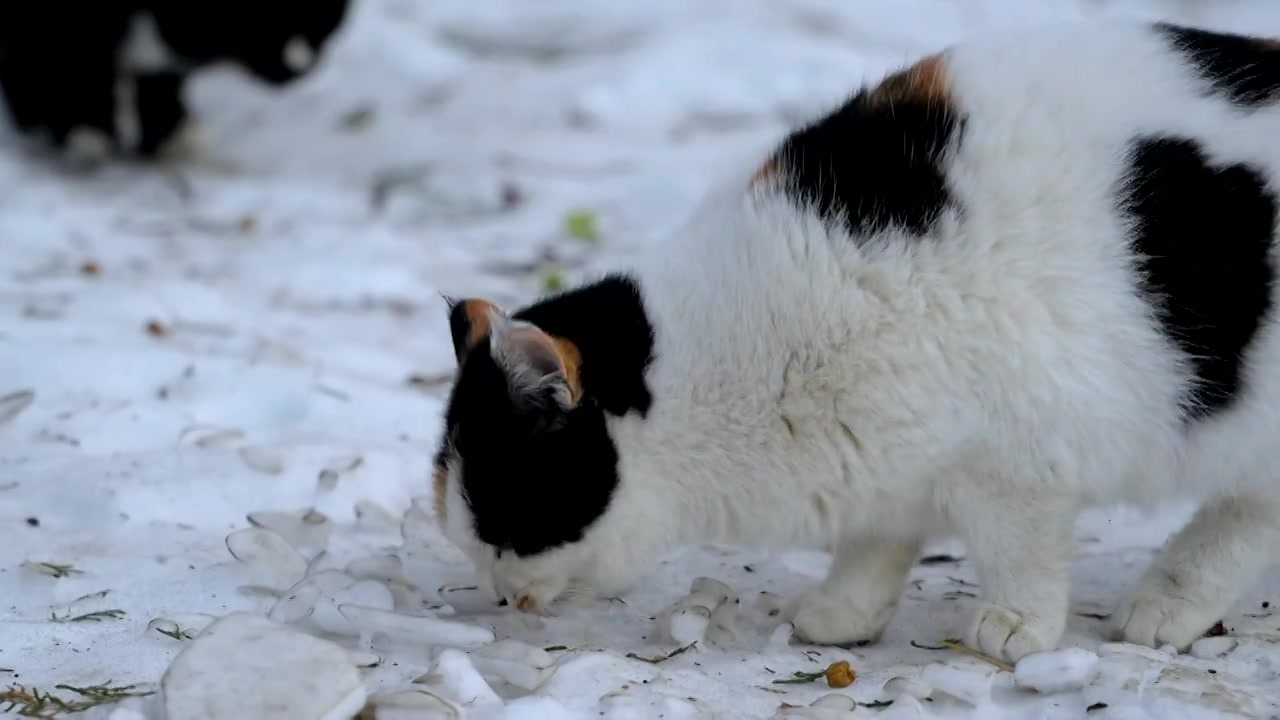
[[177, 633], [915, 644], [95, 616], [555, 648], [53, 569], [801, 677], [33, 703], [663, 658], [961, 648]]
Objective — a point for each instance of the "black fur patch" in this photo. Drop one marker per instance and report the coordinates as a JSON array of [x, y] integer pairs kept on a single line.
[[1246, 70], [536, 476], [874, 165], [1203, 238]]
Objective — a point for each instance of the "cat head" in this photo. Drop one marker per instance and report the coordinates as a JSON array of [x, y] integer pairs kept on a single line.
[[276, 42], [527, 471]]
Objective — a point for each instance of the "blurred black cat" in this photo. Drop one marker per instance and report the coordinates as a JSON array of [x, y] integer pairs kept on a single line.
[[106, 75]]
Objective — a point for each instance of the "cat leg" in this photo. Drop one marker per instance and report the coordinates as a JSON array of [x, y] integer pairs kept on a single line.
[[859, 595], [1021, 542], [1202, 572], [85, 124], [165, 128]]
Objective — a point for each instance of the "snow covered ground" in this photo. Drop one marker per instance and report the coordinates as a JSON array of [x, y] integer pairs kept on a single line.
[[261, 332]]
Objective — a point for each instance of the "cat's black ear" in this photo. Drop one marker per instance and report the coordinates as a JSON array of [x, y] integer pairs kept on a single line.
[[544, 372], [470, 321]]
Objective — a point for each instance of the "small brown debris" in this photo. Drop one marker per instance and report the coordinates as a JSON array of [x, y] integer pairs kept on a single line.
[[840, 674], [1218, 630], [90, 268], [157, 329]]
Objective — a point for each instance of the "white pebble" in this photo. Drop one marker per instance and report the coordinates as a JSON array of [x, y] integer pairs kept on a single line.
[[269, 557], [689, 624], [1056, 671], [525, 677], [264, 460], [245, 666], [300, 600], [413, 701], [834, 701], [971, 684], [408, 597], [534, 707], [306, 531], [709, 593], [372, 516], [468, 600], [363, 659], [519, 652], [898, 686], [781, 635], [1120, 648], [1211, 648], [720, 630], [425, 630], [455, 677], [385, 568]]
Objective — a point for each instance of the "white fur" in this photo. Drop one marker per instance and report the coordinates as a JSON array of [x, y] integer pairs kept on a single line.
[[988, 382]]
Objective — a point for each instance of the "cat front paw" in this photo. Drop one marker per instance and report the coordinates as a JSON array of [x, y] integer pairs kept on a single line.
[[1155, 615], [824, 617], [1008, 635]]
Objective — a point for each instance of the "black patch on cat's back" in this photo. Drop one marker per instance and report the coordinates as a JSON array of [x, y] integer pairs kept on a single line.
[[1203, 236], [1244, 69], [877, 162]]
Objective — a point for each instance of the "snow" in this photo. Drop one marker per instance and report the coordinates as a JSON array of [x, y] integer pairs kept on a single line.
[[221, 382]]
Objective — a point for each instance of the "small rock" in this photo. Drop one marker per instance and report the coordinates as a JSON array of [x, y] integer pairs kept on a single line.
[[688, 624], [425, 630], [898, 686], [410, 701], [834, 701], [970, 684], [456, 678], [1211, 648], [1056, 671], [270, 558], [245, 666], [781, 635]]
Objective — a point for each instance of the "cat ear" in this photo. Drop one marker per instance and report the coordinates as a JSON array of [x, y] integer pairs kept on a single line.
[[470, 321], [542, 369]]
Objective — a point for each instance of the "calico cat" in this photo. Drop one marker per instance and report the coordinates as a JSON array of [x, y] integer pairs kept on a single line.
[[1031, 273], [107, 76]]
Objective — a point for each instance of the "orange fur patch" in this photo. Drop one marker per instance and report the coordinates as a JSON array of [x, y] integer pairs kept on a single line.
[[765, 173], [440, 482], [925, 81], [571, 360], [479, 320]]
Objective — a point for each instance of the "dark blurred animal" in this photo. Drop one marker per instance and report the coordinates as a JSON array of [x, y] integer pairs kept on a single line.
[[106, 76]]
